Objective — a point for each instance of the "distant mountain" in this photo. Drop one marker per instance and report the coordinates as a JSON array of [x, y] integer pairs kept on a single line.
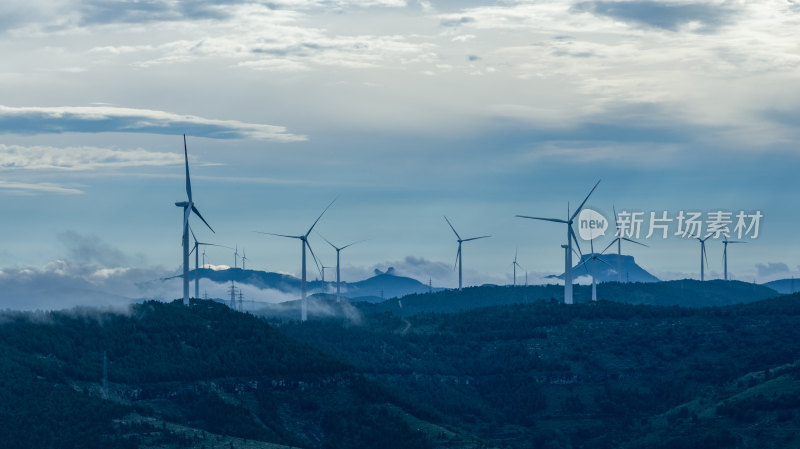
[[381, 286], [784, 285], [685, 293], [610, 270]]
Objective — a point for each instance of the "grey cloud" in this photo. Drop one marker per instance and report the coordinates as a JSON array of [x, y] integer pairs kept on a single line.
[[99, 119], [663, 15], [771, 268], [90, 249], [456, 22]]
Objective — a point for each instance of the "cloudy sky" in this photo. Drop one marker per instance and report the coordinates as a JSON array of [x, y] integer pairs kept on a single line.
[[408, 110]]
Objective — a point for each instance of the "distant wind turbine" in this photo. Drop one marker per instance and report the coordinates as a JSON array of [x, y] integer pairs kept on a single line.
[[338, 250], [725, 254], [458, 254], [244, 258], [703, 256], [304, 241], [594, 258], [188, 209], [515, 265], [236, 257], [196, 260], [618, 240], [568, 247]]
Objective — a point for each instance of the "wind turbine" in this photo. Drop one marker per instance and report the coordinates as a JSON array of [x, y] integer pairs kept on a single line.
[[703, 255], [304, 241], [244, 258], [568, 247], [618, 240], [458, 254], [236, 257], [594, 257], [196, 260], [338, 250], [725, 253], [188, 208], [515, 265]]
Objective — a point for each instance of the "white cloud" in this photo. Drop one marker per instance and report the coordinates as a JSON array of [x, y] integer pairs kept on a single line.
[[17, 157], [95, 119], [24, 188]]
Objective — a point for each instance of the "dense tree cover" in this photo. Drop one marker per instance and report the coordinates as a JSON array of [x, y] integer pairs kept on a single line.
[[158, 342], [597, 372], [203, 367], [534, 375]]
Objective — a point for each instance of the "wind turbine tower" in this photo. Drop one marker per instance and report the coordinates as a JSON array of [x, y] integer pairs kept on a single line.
[[458, 254], [725, 254], [304, 242], [618, 240], [196, 261], [338, 264], [568, 247], [703, 256], [188, 208]]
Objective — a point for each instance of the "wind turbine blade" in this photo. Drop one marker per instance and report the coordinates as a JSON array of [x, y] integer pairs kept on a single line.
[[616, 226], [186, 159], [705, 254], [575, 239], [458, 255], [186, 213], [610, 245], [195, 238], [634, 241], [316, 262], [555, 220], [329, 242], [476, 238], [213, 244], [320, 216], [197, 212], [516, 250], [351, 244], [601, 260], [193, 248], [280, 235], [451, 227], [578, 210]]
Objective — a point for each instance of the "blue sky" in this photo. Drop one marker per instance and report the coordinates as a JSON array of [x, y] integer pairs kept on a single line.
[[408, 110]]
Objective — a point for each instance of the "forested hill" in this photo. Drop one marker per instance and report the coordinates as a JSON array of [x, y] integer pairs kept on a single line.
[[600, 375], [686, 293], [182, 377], [535, 375]]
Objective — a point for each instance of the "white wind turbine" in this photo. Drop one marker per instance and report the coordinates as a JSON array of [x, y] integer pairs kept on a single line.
[[304, 241], [196, 260], [515, 265], [618, 240], [236, 257], [188, 209], [725, 254], [244, 258], [338, 273], [703, 256], [568, 247], [458, 254]]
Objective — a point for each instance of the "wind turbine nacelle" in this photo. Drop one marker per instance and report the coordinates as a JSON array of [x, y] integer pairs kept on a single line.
[[182, 204]]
